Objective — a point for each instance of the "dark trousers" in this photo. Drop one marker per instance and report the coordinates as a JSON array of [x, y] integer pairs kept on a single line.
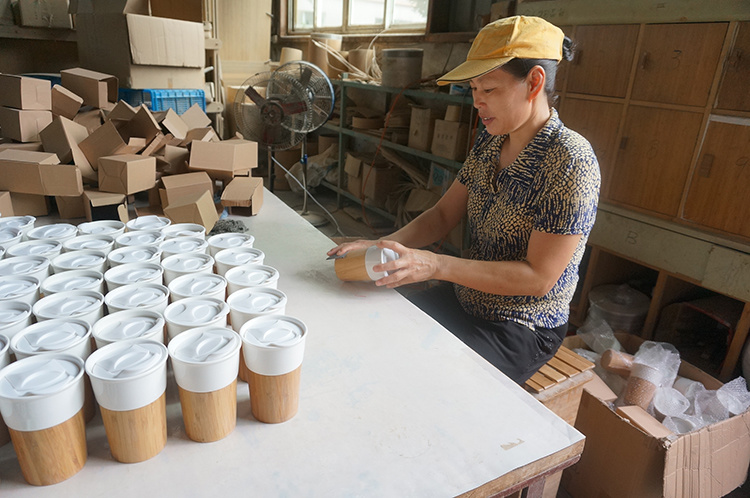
[[514, 349]]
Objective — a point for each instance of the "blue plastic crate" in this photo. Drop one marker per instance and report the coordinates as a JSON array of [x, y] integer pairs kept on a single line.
[[161, 100]]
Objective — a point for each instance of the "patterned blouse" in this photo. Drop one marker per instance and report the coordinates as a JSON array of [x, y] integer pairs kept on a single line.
[[552, 187]]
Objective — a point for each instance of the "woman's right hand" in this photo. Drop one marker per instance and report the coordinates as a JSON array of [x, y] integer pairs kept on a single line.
[[344, 248]]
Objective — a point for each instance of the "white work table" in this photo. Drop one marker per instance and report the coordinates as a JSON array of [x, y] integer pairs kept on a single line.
[[391, 404]]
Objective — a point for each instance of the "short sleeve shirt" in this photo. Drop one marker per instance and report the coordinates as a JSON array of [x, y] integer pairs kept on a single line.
[[553, 187]]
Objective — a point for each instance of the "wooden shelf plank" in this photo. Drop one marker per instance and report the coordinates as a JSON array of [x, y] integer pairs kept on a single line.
[[28, 33]]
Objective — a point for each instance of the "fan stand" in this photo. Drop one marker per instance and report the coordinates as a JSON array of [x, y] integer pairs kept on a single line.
[[314, 219]]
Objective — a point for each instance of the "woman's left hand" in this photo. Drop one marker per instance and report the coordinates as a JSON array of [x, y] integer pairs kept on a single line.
[[413, 265]]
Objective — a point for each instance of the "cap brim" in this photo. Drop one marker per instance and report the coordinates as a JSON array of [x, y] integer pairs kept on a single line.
[[472, 69]]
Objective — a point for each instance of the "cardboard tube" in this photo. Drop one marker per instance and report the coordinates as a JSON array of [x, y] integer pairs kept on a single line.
[[289, 54], [209, 416], [51, 455], [136, 435], [352, 268], [274, 399]]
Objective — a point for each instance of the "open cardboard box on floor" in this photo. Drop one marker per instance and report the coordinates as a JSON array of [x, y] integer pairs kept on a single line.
[[621, 460], [6, 204], [243, 196], [225, 159], [193, 208], [38, 173], [175, 187], [105, 206]]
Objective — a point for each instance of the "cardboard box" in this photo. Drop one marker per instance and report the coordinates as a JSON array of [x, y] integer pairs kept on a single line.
[[95, 88], [64, 102], [449, 139], [353, 169], [106, 141], [176, 187], [25, 93], [176, 159], [195, 208], [224, 159], [194, 117], [62, 137], [46, 14], [142, 125], [92, 119], [441, 178], [174, 124], [141, 50], [6, 205], [121, 111], [127, 173], [33, 146], [421, 128], [71, 207], [202, 134], [28, 172], [29, 204], [379, 181], [23, 126], [105, 206], [243, 196], [621, 460]]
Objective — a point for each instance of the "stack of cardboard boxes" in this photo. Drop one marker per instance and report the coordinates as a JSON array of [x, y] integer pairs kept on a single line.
[[95, 159]]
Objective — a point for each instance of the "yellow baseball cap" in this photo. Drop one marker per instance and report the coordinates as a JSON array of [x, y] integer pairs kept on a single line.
[[521, 37]]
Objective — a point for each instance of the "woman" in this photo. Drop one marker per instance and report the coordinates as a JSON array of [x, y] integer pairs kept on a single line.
[[530, 188]]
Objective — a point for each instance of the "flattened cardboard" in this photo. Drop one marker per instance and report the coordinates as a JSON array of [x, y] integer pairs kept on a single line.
[[126, 174], [21, 92], [95, 88], [104, 141], [62, 137], [202, 134], [224, 159], [46, 14], [142, 51], [23, 126], [243, 196], [194, 117], [175, 125], [194, 209], [28, 172], [6, 205], [104, 205], [64, 102], [71, 207], [29, 204], [175, 187]]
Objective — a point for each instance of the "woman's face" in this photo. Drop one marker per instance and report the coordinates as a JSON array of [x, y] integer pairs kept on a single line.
[[502, 101]]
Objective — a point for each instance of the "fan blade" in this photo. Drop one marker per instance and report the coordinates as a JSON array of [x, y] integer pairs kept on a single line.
[[305, 77], [290, 108], [254, 96]]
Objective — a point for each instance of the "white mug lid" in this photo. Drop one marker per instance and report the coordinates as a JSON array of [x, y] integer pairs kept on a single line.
[[4, 351], [133, 273], [205, 345], [97, 242], [133, 254], [50, 336], [39, 376], [274, 331], [182, 245], [68, 304], [230, 239], [197, 284], [13, 312], [134, 296], [73, 280], [9, 233], [79, 260], [23, 265], [127, 325], [40, 247], [184, 230], [126, 360], [195, 311], [139, 238], [150, 222], [56, 231], [17, 286], [252, 275], [100, 227], [187, 262], [236, 256], [257, 300], [21, 222]]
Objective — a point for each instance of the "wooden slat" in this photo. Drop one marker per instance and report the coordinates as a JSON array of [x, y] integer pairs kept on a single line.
[[542, 380], [551, 373], [573, 359], [537, 388], [563, 367]]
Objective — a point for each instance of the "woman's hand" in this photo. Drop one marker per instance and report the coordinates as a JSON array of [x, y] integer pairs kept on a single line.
[[344, 248], [413, 265]]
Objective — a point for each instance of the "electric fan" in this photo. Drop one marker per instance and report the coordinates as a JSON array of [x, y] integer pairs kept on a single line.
[[278, 109]]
